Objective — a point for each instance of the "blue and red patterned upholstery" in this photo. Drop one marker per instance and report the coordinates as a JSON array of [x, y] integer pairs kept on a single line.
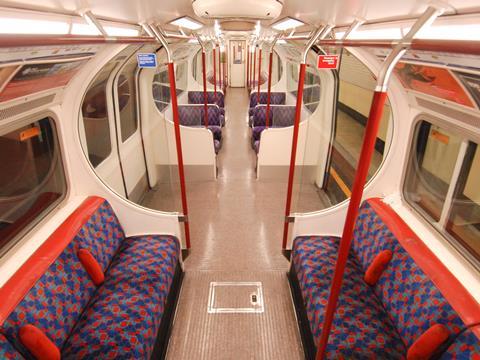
[[7, 351], [373, 321], [56, 294], [465, 346], [115, 325]]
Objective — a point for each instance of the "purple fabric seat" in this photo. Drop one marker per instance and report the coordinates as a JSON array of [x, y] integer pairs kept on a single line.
[[276, 98], [372, 321], [197, 97], [280, 116], [193, 115], [118, 319]]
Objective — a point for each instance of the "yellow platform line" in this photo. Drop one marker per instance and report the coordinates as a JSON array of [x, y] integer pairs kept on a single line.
[[340, 182]]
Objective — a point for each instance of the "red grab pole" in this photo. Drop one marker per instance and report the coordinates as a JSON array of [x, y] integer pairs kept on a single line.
[[269, 91], [178, 142], [248, 66], [254, 67], [220, 68], [259, 73], [214, 73], [293, 157], [205, 97], [368, 147]]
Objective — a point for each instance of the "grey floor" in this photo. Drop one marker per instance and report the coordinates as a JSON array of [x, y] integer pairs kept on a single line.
[[236, 233]]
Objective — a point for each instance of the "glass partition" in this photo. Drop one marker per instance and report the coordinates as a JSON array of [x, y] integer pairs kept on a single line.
[[331, 147], [111, 149]]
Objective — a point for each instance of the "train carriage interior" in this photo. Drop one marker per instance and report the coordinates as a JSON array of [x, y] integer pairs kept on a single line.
[[223, 179]]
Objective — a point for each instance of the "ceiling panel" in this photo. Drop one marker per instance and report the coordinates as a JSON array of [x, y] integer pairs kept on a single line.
[[339, 12]]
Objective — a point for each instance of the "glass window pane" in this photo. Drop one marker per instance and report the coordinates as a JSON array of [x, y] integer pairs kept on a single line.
[[355, 93], [95, 118], [32, 178], [127, 99], [464, 220], [431, 168]]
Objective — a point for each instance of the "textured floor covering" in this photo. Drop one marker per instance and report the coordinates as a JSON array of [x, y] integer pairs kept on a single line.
[[236, 233]]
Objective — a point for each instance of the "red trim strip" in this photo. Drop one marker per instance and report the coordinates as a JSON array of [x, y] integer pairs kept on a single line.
[[15, 289], [452, 289]]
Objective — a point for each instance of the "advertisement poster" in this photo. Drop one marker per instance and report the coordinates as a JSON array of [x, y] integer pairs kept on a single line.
[[34, 78], [434, 81]]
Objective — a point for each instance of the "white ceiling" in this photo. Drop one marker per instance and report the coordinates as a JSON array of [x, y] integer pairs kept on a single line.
[[315, 12]]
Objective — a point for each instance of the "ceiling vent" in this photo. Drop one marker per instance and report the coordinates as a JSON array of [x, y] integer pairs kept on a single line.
[[243, 9]]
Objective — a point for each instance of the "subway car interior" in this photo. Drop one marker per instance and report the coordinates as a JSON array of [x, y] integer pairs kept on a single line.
[[224, 179]]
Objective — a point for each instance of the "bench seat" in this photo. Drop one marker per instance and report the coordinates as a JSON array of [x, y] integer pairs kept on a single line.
[[383, 320], [123, 317], [361, 328], [119, 318]]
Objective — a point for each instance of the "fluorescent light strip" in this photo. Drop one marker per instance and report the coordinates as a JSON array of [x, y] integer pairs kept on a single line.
[[450, 32], [30, 26], [120, 31], [84, 29], [287, 23], [187, 23]]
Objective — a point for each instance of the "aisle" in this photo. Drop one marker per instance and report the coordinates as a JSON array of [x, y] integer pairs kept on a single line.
[[236, 227], [236, 222]]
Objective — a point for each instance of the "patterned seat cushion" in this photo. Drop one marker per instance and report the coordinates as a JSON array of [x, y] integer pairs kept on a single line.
[[55, 302], [465, 346], [361, 328], [256, 132], [217, 131], [7, 351], [408, 295], [124, 316]]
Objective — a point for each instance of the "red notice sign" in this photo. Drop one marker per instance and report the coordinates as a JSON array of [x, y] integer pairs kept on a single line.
[[328, 61]]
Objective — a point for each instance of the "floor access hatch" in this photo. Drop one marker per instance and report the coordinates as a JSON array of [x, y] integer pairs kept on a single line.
[[235, 298]]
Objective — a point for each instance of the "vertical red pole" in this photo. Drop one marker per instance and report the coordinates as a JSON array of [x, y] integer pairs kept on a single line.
[[293, 157], [248, 66], [368, 147], [205, 96], [220, 68], [269, 91], [254, 67], [178, 142], [259, 73], [214, 73]]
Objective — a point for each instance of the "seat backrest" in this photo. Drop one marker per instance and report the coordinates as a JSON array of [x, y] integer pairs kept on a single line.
[[283, 115], [190, 115], [194, 115], [276, 98], [51, 289], [260, 115], [467, 344], [410, 297]]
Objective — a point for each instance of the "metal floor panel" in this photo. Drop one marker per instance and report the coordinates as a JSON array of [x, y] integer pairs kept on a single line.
[[198, 334]]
